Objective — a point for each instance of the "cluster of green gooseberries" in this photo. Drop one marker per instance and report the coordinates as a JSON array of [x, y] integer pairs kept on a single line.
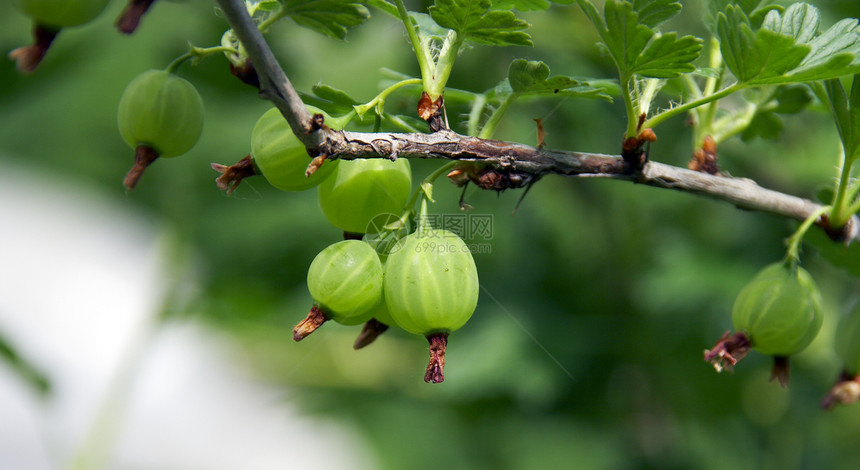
[[51, 16], [425, 283]]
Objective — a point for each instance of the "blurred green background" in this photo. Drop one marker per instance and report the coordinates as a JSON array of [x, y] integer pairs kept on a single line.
[[597, 300]]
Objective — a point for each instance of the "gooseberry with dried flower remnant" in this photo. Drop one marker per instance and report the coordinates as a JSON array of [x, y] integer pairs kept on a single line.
[[49, 17], [160, 115], [345, 281], [778, 313], [431, 289]]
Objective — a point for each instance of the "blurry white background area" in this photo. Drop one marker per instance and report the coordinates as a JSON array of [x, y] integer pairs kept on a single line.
[[82, 281]]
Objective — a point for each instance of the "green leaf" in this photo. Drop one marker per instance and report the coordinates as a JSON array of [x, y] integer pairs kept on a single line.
[[715, 7], [385, 6], [787, 48], [521, 5], [475, 21], [799, 21], [329, 17], [637, 48], [846, 113], [269, 5], [334, 95], [835, 52], [531, 77], [838, 254], [756, 57], [653, 13]]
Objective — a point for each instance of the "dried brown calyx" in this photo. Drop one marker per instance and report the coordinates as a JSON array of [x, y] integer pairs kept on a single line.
[[705, 158], [845, 392], [730, 349], [232, 175], [436, 367], [314, 320], [28, 58]]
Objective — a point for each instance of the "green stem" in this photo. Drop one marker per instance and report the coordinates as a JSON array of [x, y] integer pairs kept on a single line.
[[379, 100], [490, 126], [632, 119], [659, 118], [265, 24], [444, 64], [198, 53], [423, 190], [171, 68], [735, 124], [839, 216], [792, 256], [424, 61], [475, 113]]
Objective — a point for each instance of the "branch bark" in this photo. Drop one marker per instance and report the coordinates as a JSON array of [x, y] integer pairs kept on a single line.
[[506, 156]]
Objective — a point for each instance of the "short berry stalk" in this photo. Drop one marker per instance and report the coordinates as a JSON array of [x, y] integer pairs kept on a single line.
[[129, 19], [369, 332]]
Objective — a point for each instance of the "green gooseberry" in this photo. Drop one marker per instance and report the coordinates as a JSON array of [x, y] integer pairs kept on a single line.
[[345, 281], [362, 189], [431, 289], [282, 158], [780, 309], [61, 13], [160, 115]]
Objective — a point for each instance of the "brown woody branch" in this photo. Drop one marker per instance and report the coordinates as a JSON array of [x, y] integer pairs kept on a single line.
[[507, 156]]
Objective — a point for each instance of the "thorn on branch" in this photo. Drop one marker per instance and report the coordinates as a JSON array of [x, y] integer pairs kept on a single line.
[[705, 159], [541, 133]]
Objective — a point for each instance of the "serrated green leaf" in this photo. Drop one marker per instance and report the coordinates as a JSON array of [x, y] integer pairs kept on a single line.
[[756, 57], [835, 52], [846, 113], [788, 48], [638, 49], [531, 77], [269, 5], [653, 13], [667, 56], [799, 21], [853, 145], [521, 5], [385, 6], [328, 17], [475, 21], [334, 95], [715, 7]]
